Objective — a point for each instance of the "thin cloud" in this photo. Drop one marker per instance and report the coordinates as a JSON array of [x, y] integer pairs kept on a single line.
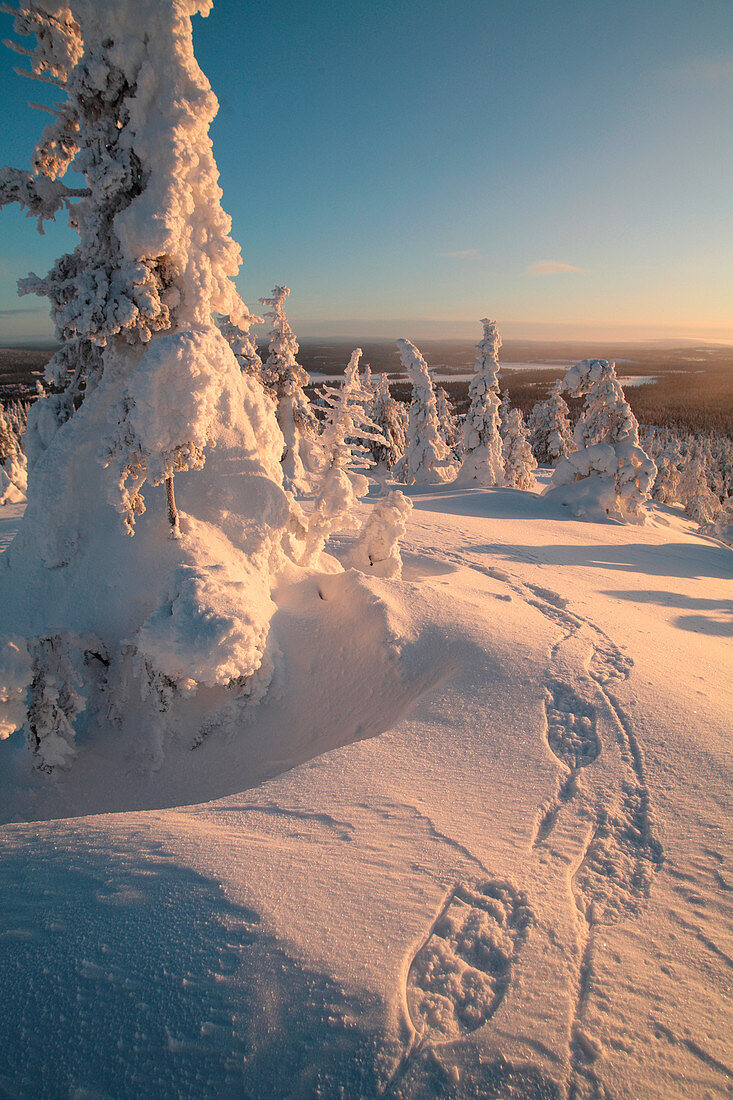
[[18, 311], [462, 254], [710, 72], [551, 267]]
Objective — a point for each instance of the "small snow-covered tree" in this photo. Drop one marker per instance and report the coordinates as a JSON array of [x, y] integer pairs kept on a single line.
[[669, 462], [693, 489], [367, 381], [519, 462], [13, 466], [243, 344], [609, 452], [426, 458], [504, 406], [450, 428], [287, 380], [345, 439], [483, 462], [390, 416], [377, 548], [550, 432]]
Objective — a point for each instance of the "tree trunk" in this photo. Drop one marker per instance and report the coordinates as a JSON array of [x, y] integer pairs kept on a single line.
[[172, 510]]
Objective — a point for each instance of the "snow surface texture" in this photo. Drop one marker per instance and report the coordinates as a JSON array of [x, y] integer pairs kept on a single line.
[[610, 473], [521, 890]]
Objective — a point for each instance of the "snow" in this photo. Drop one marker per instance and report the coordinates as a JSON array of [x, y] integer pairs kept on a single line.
[[476, 842]]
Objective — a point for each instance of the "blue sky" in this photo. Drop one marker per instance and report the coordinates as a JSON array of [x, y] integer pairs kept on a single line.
[[563, 166]]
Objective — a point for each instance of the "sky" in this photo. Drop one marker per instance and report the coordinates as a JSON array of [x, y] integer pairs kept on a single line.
[[564, 166]]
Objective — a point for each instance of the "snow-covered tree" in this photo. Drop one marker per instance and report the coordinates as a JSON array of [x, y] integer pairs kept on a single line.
[[505, 405], [669, 461], [426, 458], [390, 416], [367, 381], [13, 466], [450, 428], [377, 549], [345, 440], [550, 432], [483, 461], [620, 472], [243, 344], [148, 389], [693, 490], [287, 380], [519, 462]]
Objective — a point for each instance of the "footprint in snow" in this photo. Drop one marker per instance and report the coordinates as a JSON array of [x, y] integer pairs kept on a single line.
[[460, 975], [571, 727], [572, 735]]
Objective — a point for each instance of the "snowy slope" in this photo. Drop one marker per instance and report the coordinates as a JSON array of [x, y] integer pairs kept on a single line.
[[521, 888]]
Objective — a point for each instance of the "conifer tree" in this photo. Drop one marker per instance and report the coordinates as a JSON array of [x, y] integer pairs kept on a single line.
[[504, 406], [345, 439], [243, 344], [390, 416], [483, 462], [669, 462], [13, 466], [519, 462], [550, 432], [450, 429], [287, 380], [377, 548], [607, 438], [146, 388], [426, 458], [700, 502]]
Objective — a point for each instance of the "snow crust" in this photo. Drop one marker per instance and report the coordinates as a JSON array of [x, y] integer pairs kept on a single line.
[[519, 888]]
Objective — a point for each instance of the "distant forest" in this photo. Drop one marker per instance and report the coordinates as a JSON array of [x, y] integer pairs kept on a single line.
[[692, 387]]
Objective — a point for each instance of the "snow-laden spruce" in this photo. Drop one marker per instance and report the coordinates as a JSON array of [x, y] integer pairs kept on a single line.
[[519, 462], [426, 459], [448, 423], [377, 548], [243, 343], [13, 465], [286, 380], [391, 418], [483, 461], [123, 633], [550, 432], [345, 440], [693, 490], [610, 472]]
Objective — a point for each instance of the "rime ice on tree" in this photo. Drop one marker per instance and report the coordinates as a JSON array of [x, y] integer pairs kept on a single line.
[[693, 489], [285, 377], [450, 429], [550, 433], [390, 416], [243, 344], [149, 390], [426, 458], [13, 466], [345, 439], [483, 463], [617, 474], [519, 462]]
